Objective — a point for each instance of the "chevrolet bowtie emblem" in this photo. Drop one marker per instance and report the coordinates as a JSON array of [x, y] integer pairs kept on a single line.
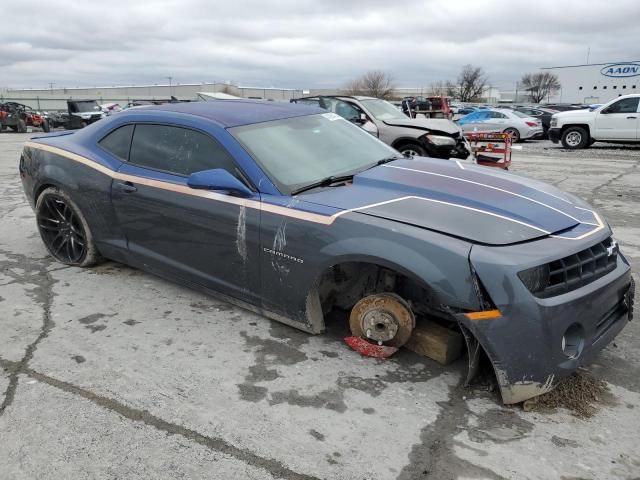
[[612, 248]]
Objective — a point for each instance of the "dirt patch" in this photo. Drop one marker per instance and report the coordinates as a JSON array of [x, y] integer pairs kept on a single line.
[[579, 393]]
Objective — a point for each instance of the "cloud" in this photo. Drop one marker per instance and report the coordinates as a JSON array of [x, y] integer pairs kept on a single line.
[[303, 44]]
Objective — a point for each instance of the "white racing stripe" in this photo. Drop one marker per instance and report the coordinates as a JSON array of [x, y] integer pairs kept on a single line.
[[451, 204], [491, 187]]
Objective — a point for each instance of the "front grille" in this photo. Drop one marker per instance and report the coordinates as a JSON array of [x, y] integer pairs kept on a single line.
[[572, 272]]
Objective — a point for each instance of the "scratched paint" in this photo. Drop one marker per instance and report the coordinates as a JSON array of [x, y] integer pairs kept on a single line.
[[241, 234], [279, 244]]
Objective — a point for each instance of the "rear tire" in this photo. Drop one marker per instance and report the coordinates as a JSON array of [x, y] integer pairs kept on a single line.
[[515, 134], [412, 149], [22, 126], [64, 230], [45, 126], [574, 138]]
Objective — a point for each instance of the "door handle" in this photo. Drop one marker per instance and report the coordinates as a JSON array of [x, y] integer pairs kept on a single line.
[[125, 187], [632, 117]]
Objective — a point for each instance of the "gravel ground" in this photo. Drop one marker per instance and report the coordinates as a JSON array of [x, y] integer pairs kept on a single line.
[[113, 373]]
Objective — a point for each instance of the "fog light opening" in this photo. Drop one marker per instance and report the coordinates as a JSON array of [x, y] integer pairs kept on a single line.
[[573, 341]]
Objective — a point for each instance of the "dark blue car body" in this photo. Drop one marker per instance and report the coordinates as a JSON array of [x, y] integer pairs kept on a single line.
[[453, 238]]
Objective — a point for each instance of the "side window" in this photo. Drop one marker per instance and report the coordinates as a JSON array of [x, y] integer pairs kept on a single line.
[[178, 150], [627, 105], [117, 143], [484, 115], [348, 111], [498, 115]]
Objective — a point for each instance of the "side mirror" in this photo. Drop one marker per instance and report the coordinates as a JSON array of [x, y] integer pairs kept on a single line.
[[220, 180]]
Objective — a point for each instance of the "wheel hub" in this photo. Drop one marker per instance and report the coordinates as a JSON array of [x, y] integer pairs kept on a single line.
[[574, 138], [379, 325]]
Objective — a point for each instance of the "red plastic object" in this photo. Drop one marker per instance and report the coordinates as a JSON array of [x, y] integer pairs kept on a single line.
[[363, 347]]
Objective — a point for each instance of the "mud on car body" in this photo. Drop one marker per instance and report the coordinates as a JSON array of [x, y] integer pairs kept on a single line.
[[291, 211], [432, 137]]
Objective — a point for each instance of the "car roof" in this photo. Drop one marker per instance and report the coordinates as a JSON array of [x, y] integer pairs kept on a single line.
[[233, 113]]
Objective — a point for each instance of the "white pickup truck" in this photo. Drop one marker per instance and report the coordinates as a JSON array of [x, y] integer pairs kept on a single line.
[[617, 121]]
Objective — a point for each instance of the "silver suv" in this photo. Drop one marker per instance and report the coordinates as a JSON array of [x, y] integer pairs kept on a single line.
[[425, 137]]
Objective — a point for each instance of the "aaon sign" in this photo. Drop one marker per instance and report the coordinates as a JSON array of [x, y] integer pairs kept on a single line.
[[621, 70]]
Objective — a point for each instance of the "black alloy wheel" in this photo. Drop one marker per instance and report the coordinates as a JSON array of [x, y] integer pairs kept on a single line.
[[62, 230]]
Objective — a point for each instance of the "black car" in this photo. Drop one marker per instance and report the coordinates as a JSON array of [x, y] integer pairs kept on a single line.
[[543, 114], [565, 107]]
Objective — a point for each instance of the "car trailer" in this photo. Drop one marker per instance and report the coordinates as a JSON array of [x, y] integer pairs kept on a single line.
[[491, 149]]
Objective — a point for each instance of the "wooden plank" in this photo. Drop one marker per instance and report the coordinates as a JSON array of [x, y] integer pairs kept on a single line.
[[439, 343]]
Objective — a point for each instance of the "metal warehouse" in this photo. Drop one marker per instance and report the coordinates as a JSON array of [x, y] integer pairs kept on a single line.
[[596, 82]]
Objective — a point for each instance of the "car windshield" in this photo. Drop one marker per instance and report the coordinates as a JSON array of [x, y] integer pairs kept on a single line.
[[300, 151], [383, 110], [85, 107]]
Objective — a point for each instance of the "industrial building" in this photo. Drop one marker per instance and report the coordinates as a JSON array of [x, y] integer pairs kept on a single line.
[[595, 82]]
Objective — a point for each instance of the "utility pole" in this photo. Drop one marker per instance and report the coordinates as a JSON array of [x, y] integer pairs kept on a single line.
[[51, 86], [170, 88], [588, 54]]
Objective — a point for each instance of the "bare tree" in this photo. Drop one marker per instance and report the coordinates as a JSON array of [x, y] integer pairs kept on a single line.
[[540, 85], [374, 83], [438, 89], [354, 87], [471, 83]]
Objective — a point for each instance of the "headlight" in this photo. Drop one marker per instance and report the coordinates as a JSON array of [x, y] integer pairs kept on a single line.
[[440, 140], [554, 122]]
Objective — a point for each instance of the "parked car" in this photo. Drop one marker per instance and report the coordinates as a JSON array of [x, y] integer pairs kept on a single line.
[[433, 137], [18, 117], [565, 107], [83, 113], [466, 110], [541, 113], [291, 211], [616, 121], [58, 118], [518, 125]]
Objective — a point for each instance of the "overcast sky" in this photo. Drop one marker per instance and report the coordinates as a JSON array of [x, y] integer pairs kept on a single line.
[[303, 44]]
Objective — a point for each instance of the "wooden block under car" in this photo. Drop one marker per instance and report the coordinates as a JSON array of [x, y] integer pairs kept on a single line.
[[439, 343]]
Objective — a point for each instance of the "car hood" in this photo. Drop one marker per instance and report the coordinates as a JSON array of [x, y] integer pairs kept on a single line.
[[480, 204], [440, 124], [574, 114]]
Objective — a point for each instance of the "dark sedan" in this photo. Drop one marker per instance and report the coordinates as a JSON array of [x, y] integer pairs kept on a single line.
[[542, 114], [292, 211]]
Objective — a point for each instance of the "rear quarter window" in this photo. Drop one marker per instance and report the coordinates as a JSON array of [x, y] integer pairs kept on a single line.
[[117, 142]]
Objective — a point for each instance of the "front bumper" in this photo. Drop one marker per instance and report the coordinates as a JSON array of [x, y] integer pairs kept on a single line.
[[460, 150], [525, 345], [554, 134]]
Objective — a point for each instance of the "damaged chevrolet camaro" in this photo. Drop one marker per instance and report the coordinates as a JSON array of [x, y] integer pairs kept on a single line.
[[291, 211]]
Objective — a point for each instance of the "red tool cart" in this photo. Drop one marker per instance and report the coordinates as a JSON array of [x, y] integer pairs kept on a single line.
[[491, 149]]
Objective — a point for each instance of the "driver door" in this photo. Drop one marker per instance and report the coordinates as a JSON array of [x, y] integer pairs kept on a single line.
[[210, 240], [618, 121]]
